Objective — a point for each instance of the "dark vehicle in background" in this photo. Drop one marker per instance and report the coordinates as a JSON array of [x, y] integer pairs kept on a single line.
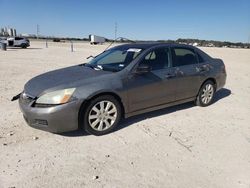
[[16, 42], [121, 82]]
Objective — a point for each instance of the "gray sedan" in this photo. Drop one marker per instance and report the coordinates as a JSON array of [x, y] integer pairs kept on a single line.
[[121, 82]]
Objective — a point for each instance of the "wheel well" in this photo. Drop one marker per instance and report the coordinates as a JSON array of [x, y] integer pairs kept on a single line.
[[210, 79], [85, 103]]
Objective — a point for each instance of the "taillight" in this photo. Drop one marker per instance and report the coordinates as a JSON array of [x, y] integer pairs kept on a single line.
[[223, 68]]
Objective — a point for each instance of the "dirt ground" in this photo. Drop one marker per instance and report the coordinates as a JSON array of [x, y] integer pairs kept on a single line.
[[181, 146]]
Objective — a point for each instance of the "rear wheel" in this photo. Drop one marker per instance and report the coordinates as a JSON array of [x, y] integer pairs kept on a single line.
[[101, 115], [206, 94]]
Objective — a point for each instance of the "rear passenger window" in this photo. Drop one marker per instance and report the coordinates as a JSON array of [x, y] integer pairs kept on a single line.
[[183, 56]]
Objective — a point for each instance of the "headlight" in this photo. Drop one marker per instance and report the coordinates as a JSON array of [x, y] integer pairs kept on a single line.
[[56, 97]]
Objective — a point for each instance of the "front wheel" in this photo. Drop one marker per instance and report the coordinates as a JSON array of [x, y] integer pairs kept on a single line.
[[206, 94], [23, 46], [101, 115]]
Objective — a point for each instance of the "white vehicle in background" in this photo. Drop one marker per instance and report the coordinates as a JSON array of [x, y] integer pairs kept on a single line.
[[16, 42], [2, 39], [96, 39]]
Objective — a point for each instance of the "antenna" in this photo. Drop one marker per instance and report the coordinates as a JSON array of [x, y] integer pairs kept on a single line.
[[37, 31], [115, 30]]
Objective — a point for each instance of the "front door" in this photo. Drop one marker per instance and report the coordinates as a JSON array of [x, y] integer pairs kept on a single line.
[[155, 87]]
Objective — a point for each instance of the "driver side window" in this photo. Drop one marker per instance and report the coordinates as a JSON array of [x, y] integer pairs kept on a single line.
[[157, 59]]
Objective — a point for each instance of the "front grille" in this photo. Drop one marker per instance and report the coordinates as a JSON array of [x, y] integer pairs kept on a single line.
[[44, 105]]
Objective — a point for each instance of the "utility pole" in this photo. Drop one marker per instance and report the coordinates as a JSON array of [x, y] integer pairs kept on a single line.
[[71, 46], [249, 38], [37, 31]]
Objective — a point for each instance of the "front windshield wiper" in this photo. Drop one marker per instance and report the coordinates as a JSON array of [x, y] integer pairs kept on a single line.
[[98, 67]]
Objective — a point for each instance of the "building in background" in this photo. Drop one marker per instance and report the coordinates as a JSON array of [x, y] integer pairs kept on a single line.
[[5, 31], [14, 32], [8, 32]]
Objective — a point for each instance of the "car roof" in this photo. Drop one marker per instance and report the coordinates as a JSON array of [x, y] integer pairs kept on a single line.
[[147, 45]]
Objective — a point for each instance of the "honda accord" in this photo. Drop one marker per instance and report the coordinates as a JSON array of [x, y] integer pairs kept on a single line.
[[120, 82]]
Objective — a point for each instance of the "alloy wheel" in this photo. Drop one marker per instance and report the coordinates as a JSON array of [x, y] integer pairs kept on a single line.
[[102, 115], [207, 93]]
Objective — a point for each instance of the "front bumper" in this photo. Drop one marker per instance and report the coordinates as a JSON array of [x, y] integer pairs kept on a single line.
[[55, 119]]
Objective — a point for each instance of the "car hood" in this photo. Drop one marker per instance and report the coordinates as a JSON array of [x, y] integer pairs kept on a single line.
[[61, 79]]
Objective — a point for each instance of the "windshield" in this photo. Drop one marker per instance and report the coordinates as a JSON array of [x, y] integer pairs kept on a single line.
[[114, 59]]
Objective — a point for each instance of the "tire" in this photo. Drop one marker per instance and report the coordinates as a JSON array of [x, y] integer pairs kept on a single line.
[[206, 94], [99, 119], [23, 46]]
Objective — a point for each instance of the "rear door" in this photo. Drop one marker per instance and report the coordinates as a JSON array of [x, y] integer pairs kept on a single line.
[[204, 67], [185, 61]]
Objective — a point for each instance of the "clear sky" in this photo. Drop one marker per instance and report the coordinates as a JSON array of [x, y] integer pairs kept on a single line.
[[148, 20]]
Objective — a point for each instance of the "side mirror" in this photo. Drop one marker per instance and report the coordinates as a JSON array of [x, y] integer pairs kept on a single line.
[[143, 68]]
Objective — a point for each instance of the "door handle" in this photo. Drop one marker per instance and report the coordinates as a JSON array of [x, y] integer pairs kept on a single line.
[[202, 69], [169, 75]]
